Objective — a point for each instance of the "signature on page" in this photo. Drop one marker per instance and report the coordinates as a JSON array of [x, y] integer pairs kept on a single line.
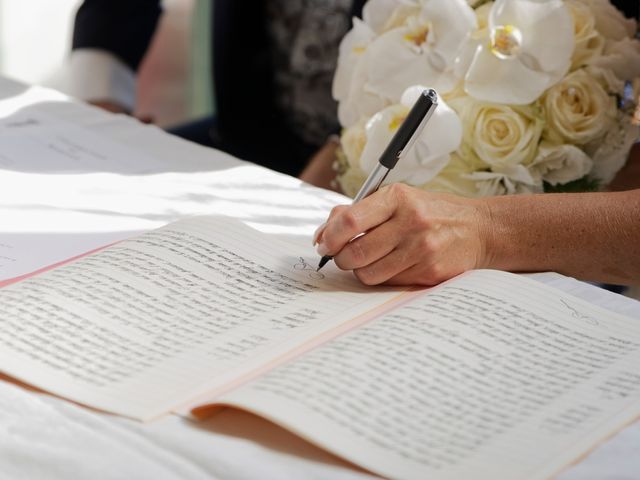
[[311, 271], [579, 315]]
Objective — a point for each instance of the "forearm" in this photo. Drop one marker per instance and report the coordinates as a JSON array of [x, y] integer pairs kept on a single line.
[[591, 236], [319, 171]]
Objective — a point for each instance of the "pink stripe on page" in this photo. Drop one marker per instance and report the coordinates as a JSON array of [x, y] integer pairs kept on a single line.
[[11, 281]]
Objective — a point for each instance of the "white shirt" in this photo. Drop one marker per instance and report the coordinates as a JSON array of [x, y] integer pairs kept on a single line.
[[97, 75]]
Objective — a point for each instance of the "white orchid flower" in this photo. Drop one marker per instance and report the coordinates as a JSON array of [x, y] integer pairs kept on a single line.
[[423, 49], [352, 47], [352, 72], [352, 75], [383, 15], [431, 151], [398, 43], [526, 49]]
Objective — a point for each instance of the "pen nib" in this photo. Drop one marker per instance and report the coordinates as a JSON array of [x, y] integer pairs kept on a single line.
[[323, 261]]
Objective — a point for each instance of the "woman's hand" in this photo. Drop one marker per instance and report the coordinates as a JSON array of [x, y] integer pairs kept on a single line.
[[410, 236]]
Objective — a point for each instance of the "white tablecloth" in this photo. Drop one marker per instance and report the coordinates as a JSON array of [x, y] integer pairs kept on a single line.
[[46, 437]]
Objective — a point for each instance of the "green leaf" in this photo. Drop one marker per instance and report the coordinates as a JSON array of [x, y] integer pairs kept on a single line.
[[584, 184]]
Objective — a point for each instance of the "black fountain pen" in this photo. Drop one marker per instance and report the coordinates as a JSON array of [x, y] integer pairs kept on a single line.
[[400, 144]]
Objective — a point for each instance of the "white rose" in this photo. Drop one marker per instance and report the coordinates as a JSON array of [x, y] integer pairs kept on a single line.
[[353, 141], [499, 134], [621, 57], [609, 81], [560, 164], [612, 152], [589, 44], [578, 110], [610, 21]]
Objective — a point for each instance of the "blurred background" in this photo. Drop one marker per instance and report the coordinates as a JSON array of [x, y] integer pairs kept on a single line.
[[35, 39]]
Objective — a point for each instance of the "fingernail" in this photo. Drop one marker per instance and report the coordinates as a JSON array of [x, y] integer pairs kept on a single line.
[[322, 250], [318, 233]]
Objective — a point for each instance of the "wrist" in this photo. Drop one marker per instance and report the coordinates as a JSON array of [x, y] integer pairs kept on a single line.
[[522, 231], [486, 234]]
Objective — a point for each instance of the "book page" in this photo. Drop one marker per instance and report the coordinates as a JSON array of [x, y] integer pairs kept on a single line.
[[26, 254], [488, 376], [150, 323]]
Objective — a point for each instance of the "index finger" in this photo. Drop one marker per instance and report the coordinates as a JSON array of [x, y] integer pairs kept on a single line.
[[344, 224]]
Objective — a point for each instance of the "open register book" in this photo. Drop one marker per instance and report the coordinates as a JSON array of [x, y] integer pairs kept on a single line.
[[487, 376]]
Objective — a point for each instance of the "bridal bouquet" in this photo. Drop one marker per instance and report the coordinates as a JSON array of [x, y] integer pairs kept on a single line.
[[535, 95]]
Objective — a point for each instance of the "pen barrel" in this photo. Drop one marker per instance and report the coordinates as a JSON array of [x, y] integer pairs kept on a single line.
[[373, 182], [411, 126]]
